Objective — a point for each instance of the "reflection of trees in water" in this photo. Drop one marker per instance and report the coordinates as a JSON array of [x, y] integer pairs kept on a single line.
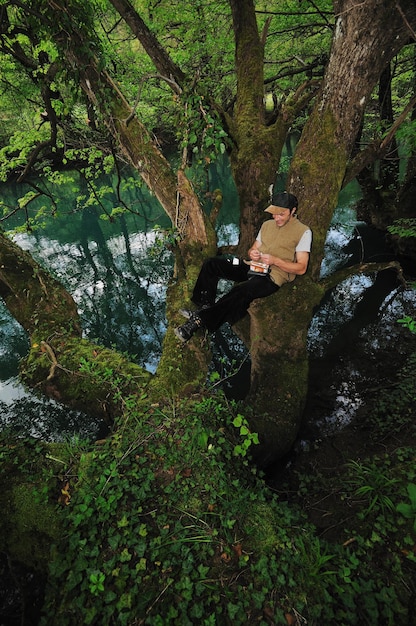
[[122, 303], [14, 343], [350, 343], [121, 297], [105, 265], [47, 420], [365, 311], [118, 285], [348, 309], [356, 302]]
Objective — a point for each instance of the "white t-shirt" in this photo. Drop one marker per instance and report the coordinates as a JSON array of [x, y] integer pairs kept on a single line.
[[305, 242]]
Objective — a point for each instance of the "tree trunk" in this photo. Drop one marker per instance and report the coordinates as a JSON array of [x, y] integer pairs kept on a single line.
[[256, 147], [165, 66], [279, 366], [49, 314], [361, 49], [36, 300], [175, 193], [379, 181]]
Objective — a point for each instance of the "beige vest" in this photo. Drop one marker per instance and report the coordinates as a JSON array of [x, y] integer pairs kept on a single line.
[[281, 242]]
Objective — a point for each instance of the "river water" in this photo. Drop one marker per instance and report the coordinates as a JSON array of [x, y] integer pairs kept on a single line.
[[117, 272]]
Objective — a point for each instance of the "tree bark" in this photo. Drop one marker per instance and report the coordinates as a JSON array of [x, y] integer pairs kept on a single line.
[[361, 49], [163, 63], [256, 147], [49, 314], [35, 299], [174, 191]]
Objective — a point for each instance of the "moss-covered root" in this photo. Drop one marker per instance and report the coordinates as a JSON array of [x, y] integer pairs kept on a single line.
[[83, 375]]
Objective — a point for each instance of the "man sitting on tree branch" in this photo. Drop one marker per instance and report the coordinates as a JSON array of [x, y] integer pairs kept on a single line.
[[279, 253]]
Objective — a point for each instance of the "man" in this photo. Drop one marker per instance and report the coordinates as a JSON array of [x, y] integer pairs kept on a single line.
[[282, 247]]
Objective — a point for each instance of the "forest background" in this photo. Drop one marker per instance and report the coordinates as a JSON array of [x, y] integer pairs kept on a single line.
[[170, 520]]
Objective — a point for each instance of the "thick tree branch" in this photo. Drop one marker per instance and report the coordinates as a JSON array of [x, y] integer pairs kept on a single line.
[[162, 61], [378, 148], [336, 278], [34, 298]]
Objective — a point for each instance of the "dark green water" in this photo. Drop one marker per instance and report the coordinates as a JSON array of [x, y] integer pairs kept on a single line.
[[116, 270]]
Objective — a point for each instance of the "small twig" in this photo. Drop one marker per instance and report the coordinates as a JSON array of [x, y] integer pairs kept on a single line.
[[42, 284], [159, 596], [53, 359], [234, 373], [406, 21], [169, 81]]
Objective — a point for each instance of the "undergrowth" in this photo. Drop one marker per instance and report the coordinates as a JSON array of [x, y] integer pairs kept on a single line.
[[168, 523], [395, 406], [159, 532]]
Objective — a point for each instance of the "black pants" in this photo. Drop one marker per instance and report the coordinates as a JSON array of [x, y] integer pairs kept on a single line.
[[233, 305]]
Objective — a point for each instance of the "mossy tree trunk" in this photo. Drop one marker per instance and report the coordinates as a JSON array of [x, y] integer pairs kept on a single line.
[[256, 144], [173, 190], [48, 313], [361, 49], [36, 300]]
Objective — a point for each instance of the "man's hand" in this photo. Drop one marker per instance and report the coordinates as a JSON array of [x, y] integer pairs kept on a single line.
[[268, 259], [254, 254]]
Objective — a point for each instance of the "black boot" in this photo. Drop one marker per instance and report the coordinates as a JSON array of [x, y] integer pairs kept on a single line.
[[185, 332]]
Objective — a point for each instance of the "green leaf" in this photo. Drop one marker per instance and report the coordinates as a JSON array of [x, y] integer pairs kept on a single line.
[[411, 490], [405, 509]]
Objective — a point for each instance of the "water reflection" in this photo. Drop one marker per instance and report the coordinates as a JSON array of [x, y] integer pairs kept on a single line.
[[119, 288], [20, 410], [23, 414], [114, 269], [118, 280], [348, 363], [350, 344]]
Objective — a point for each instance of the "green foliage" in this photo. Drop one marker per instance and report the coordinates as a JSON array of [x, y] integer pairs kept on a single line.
[[199, 129], [408, 322], [409, 509], [361, 501], [394, 405], [97, 580], [372, 485], [166, 510], [248, 438], [403, 227], [165, 238], [406, 135], [163, 523], [197, 38]]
